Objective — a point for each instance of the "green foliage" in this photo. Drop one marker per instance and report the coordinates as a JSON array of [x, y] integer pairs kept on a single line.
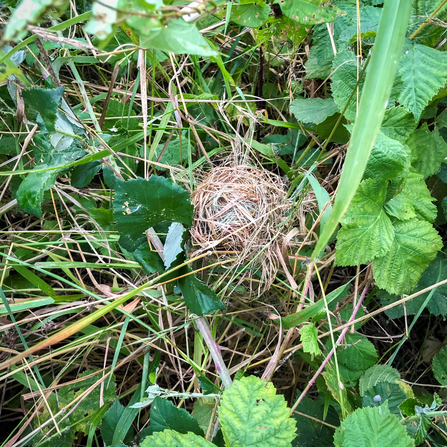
[[312, 110], [170, 438], [309, 12], [250, 14], [309, 338], [382, 392], [252, 414], [398, 124], [439, 366], [372, 427], [173, 243], [377, 374]]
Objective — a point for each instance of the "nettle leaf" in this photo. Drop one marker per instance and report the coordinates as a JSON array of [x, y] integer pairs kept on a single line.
[[388, 159], [199, 298], [385, 391], [376, 374], [170, 438], [398, 124], [313, 110], [45, 102], [309, 338], [178, 37], [367, 231], [309, 12], [372, 427], [104, 19], [311, 433], [344, 81], [252, 15], [173, 243], [423, 71], [415, 245], [253, 415], [439, 366], [428, 150], [141, 204]]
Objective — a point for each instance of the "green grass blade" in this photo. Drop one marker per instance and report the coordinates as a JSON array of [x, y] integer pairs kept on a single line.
[[376, 92]]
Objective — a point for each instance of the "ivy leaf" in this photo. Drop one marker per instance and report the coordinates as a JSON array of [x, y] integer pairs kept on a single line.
[[439, 366], [388, 159], [252, 15], [253, 415], [415, 245], [376, 374], [309, 12], [45, 102], [367, 231], [372, 427], [173, 243], [313, 110], [199, 298], [428, 150], [398, 124], [141, 204], [309, 338], [170, 438], [178, 37], [423, 71], [385, 391]]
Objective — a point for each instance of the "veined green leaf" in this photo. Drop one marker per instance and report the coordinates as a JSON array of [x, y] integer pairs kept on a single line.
[[423, 71], [170, 438], [415, 245], [385, 391], [309, 338], [313, 110], [376, 374], [358, 354], [252, 15], [398, 124], [309, 12], [367, 231]]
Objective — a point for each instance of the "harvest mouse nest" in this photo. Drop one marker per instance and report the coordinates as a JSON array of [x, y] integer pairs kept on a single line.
[[240, 212]]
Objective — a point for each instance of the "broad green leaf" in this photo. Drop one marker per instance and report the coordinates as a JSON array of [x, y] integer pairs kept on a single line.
[[310, 432], [148, 258], [358, 354], [429, 35], [337, 388], [385, 391], [199, 298], [309, 338], [428, 150], [45, 102], [252, 15], [401, 207], [372, 427], [110, 421], [321, 54], [166, 416], [376, 374], [253, 415], [28, 13], [141, 204], [82, 175], [313, 110], [173, 243], [104, 19], [388, 158], [203, 412], [415, 245], [309, 12], [439, 366], [344, 80], [178, 37], [170, 438], [423, 71], [398, 124], [367, 231], [103, 216]]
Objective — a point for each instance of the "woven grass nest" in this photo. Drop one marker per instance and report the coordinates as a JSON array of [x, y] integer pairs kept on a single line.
[[240, 213]]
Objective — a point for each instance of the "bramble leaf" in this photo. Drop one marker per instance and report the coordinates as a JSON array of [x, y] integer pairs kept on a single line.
[[367, 231], [415, 245], [372, 427], [313, 110], [423, 71], [253, 415], [170, 438], [385, 391], [359, 354], [252, 15], [398, 124], [309, 338]]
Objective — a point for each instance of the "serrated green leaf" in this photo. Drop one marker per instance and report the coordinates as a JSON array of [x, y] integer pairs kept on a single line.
[[253, 415], [337, 387], [199, 298], [170, 438], [313, 110], [141, 204], [372, 427], [423, 71], [367, 231], [398, 124], [359, 354], [415, 245], [428, 150], [252, 15], [309, 12], [45, 102], [388, 159], [178, 37], [309, 338], [376, 374], [385, 391], [400, 207], [429, 35], [440, 366], [173, 243]]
